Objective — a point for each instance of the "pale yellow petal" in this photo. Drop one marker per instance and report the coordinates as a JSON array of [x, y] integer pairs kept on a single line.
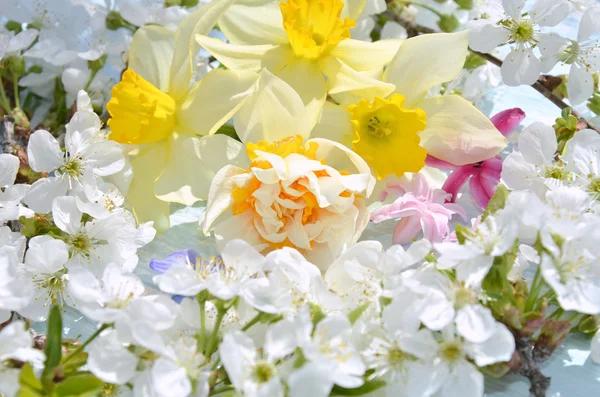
[[361, 55], [147, 167], [247, 57], [220, 195], [273, 112], [151, 53], [457, 132], [309, 82], [343, 79], [214, 100], [334, 124], [201, 22], [254, 24], [425, 61], [193, 163], [353, 8]]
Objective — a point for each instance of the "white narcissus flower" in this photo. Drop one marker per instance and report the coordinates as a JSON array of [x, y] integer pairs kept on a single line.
[[45, 266], [16, 291], [11, 194], [491, 238], [308, 195], [16, 344], [583, 56], [532, 167], [583, 160], [522, 30], [254, 373], [98, 242], [106, 301], [84, 160], [307, 44]]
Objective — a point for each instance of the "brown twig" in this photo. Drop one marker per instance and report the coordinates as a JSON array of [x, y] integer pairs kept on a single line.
[[530, 368], [541, 85]]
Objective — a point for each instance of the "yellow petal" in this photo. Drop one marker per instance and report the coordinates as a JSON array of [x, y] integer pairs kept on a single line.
[[343, 79], [151, 53], [247, 57], [273, 112], [214, 100], [308, 81], [361, 55], [254, 24], [201, 22], [147, 167], [425, 61], [192, 164], [457, 132]]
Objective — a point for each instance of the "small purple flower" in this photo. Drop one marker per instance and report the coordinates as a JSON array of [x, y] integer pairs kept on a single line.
[[185, 257]]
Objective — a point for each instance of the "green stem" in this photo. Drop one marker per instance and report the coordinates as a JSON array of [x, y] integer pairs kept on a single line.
[[15, 80], [223, 390], [557, 313], [202, 336], [214, 336], [87, 85], [416, 3], [5, 102], [251, 322], [87, 342], [573, 317], [533, 291]]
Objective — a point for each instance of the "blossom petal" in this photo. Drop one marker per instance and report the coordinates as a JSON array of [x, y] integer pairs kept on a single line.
[[475, 323], [425, 61], [43, 152], [499, 347], [520, 67], [580, 85], [485, 35], [457, 132], [537, 144], [9, 166]]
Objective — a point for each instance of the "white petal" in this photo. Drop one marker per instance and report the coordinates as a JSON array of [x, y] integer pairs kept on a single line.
[[110, 361], [498, 348], [537, 144], [43, 152], [150, 54], [280, 340], [590, 24], [310, 380], [580, 85], [9, 166], [464, 380], [485, 35], [549, 12], [237, 351], [170, 379], [520, 67], [66, 215], [514, 8], [475, 323]]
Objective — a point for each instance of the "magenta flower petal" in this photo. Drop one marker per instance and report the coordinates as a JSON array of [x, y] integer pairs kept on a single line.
[[480, 194], [437, 163], [507, 120], [456, 180]]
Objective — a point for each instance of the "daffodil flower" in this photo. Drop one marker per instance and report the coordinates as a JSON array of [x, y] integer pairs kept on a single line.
[[307, 44], [307, 194], [155, 109], [395, 133]]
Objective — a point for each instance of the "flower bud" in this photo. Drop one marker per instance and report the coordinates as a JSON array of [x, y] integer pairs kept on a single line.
[[589, 324], [448, 23], [552, 335]]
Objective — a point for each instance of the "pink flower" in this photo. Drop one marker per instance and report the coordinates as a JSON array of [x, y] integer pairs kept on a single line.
[[483, 176], [419, 208]]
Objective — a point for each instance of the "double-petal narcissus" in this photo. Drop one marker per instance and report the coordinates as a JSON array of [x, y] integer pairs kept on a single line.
[[395, 133], [289, 191], [307, 44], [155, 110]]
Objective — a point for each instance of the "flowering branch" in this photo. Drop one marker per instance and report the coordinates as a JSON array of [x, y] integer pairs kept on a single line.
[[414, 29]]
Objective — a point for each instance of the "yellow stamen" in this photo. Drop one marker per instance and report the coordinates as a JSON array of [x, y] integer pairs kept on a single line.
[[314, 27], [386, 135], [140, 112]]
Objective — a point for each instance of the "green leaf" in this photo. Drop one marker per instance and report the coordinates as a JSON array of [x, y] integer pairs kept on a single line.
[[30, 385], [39, 225], [228, 130], [461, 233], [356, 313], [368, 387], [496, 281], [497, 202], [79, 385], [53, 344]]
